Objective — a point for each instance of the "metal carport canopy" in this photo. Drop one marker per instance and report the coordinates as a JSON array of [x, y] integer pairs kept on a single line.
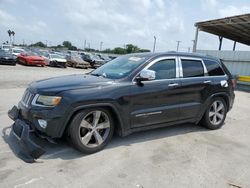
[[236, 28]]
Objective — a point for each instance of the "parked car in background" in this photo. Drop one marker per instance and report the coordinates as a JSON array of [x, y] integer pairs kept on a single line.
[[31, 58], [104, 57], [6, 47], [94, 60], [112, 57], [77, 62], [55, 60], [17, 51], [6, 58]]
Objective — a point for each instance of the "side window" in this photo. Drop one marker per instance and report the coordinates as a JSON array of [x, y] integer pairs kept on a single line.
[[192, 68], [213, 68], [164, 69]]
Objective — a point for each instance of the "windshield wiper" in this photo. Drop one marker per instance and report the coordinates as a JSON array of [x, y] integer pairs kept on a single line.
[[98, 75]]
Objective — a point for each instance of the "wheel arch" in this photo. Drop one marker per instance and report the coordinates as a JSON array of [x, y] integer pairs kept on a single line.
[[223, 95], [113, 110]]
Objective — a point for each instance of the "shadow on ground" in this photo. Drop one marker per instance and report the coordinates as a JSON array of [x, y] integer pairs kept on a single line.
[[63, 150]]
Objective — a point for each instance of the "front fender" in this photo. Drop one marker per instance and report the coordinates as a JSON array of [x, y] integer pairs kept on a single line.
[[72, 113]]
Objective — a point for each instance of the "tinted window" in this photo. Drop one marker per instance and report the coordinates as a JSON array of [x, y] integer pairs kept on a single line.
[[164, 69], [213, 68], [192, 68]]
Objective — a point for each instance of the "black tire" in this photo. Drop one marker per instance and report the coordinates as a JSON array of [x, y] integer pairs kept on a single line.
[[74, 131], [206, 120]]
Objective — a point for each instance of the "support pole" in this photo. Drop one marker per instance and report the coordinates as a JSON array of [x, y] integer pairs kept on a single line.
[[196, 39], [101, 43], [220, 44], [178, 44], [154, 44], [234, 46]]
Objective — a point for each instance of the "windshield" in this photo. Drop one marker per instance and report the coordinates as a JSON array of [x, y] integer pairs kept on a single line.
[[119, 67], [6, 47], [76, 58], [17, 51], [56, 56], [29, 53]]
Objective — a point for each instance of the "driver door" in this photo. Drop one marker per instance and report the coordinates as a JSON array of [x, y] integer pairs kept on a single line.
[[157, 101]]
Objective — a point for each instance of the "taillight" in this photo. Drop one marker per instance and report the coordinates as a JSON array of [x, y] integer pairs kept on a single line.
[[234, 82]]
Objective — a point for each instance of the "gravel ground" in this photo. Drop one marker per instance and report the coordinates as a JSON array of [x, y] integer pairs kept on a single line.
[[177, 156], [20, 76]]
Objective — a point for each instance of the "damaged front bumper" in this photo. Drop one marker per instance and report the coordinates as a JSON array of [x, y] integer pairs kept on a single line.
[[23, 132]]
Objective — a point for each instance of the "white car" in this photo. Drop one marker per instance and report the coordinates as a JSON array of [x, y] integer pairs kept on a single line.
[[17, 51], [55, 60], [6, 47]]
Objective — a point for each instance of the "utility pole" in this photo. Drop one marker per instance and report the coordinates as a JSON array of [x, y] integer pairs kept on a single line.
[[154, 44], [178, 44], [101, 43], [84, 44]]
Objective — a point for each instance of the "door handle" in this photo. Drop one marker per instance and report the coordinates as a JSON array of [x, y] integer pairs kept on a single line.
[[173, 84], [207, 81]]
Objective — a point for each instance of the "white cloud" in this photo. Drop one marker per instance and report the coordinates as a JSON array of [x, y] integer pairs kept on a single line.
[[212, 3], [5, 18], [124, 20], [114, 22], [233, 10]]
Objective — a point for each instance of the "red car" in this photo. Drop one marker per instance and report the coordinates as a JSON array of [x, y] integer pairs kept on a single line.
[[30, 58]]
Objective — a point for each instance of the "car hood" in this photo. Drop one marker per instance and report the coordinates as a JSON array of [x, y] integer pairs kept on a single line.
[[63, 83], [80, 62], [34, 57], [6, 56], [58, 59]]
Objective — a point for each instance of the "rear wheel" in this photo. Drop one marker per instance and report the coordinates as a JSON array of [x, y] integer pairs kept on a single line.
[[215, 115], [91, 130]]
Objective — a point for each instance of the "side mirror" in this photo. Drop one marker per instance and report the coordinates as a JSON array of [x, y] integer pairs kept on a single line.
[[146, 75]]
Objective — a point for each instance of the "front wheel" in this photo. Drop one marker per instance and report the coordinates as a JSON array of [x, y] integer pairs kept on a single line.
[[215, 115], [91, 130]]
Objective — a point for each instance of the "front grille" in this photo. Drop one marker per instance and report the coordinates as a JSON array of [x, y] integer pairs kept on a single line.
[[27, 98]]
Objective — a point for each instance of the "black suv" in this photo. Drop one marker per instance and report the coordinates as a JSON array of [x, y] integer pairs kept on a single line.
[[128, 94]]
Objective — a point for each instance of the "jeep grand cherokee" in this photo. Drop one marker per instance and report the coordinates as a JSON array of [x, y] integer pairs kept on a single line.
[[128, 94]]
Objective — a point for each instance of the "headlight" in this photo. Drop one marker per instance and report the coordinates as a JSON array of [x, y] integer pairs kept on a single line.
[[43, 100]]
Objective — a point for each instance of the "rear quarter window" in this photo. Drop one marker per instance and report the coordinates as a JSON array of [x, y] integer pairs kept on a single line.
[[213, 68]]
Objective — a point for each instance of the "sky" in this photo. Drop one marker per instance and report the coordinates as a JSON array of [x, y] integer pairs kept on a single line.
[[117, 22]]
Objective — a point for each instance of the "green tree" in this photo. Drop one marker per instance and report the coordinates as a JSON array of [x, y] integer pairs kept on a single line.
[[143, 50], [67, 44], [72, 48], [39, 44], [130, 48], [119, 50]]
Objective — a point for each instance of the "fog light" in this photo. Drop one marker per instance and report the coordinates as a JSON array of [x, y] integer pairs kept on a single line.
[[42, 123]]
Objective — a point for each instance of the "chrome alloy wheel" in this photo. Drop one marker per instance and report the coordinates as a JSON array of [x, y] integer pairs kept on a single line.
[[216, 112], [94, 129]]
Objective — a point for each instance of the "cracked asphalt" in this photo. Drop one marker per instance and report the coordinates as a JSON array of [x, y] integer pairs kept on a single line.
[[178, 156]]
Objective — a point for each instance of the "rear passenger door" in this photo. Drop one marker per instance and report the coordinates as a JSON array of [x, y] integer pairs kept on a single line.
[[220, 81], [195, 86]]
